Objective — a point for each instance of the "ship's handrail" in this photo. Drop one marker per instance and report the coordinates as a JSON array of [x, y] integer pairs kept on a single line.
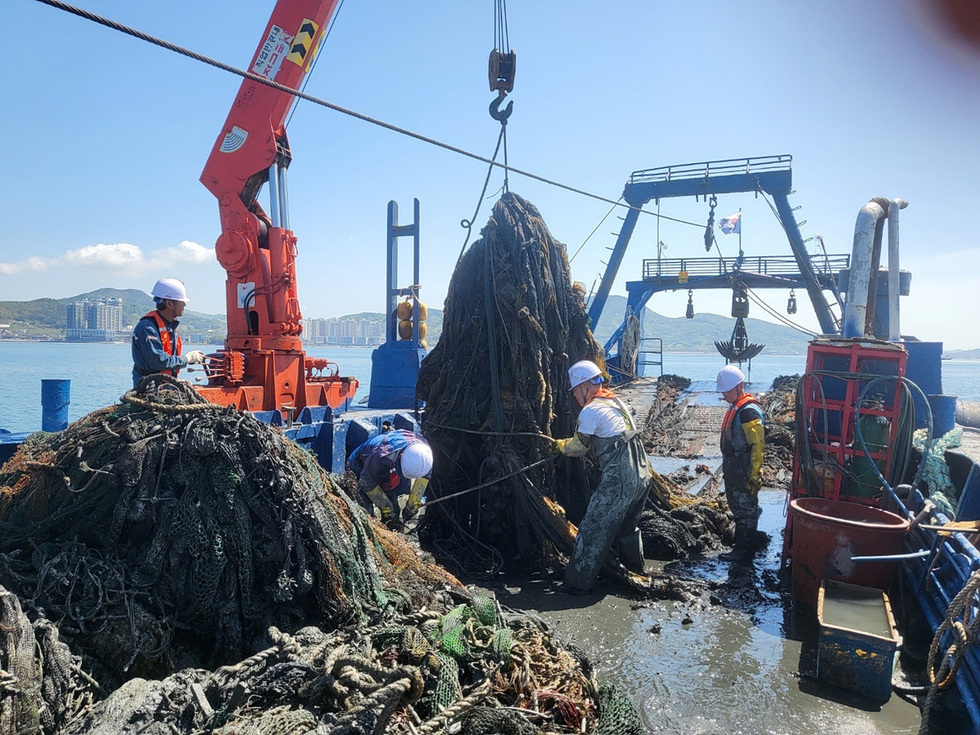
[[772, 265], [707, 169], [936, 580]]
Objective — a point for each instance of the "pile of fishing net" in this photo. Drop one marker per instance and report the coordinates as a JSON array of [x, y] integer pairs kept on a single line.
[[467, 667], [496, 390], [677, 524], [779, 408], [168, 535]]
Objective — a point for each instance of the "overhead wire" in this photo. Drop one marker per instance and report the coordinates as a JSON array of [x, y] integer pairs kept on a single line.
[[338, 108], [776, 315], [316, 56], [596, 229]]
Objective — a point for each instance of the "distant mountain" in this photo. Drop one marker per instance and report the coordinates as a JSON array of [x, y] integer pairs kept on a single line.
[[699, 334], [962, 354], [47, 317]]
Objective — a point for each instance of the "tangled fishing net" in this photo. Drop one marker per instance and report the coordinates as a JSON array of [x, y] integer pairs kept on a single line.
[[496, 391], [677, 523], [496, 388], [168, 565]]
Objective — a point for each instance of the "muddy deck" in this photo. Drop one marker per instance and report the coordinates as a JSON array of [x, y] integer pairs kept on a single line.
[[737, 660]]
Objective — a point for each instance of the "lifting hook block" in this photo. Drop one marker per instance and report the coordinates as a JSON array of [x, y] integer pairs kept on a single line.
[[495, 112]]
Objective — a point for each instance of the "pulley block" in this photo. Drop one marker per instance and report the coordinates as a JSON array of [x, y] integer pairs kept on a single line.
[[740, 302], [502, 67]]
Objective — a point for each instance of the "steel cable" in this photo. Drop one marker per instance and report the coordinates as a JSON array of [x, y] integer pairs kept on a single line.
[[336, 108]]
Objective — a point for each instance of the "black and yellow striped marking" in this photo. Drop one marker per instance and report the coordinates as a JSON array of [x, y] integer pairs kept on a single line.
[[303, 42]]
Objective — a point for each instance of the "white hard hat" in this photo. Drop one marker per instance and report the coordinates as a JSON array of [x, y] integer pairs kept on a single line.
[[728, 377], [170, 288], [416, 460], [583, 371]]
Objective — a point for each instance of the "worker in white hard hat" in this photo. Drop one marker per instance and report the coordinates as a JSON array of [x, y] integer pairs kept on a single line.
[[390, 464], [607, 429], [156, 346], [743, 444]]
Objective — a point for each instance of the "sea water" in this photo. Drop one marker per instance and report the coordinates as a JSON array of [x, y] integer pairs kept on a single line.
[[101, 373]]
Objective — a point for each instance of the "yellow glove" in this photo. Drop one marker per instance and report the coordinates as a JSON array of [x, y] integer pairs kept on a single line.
[[558, 445], [415, 498], [381, 500], [754, 485]]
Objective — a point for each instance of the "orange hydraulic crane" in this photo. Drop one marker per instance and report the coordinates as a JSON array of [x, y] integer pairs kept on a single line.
[[263, 366]]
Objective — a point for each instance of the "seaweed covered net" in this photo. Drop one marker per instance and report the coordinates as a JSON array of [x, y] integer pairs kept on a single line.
[[496, 388], [467, 666], [187, 529], [779, 406], [681, 519], [169, 565]]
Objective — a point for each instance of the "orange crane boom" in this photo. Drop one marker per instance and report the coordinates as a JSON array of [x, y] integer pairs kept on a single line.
[[263, 365]]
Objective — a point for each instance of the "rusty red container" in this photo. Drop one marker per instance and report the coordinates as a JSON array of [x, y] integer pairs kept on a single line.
[[827, 533]]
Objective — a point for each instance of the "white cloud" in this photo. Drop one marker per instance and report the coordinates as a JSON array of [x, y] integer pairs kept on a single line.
[[123, 259], [186, 252], [31, 265], [119, 256]]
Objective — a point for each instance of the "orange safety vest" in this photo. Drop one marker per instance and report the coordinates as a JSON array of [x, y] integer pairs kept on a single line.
[[726, 424], [165, 337]]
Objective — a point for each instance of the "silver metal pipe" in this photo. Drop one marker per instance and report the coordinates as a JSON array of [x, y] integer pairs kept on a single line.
[[859, 281], [894, 275], [284, 198], [274, 212]]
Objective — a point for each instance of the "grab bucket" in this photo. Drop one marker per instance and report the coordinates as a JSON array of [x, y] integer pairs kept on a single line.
[[827, 533]]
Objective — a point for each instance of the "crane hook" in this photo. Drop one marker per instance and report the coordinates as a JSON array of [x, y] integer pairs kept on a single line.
[[495, 112]]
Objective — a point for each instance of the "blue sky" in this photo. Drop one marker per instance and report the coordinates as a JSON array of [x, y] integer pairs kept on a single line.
[[104, 139]]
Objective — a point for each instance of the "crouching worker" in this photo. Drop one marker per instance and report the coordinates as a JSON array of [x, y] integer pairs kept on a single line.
[[605, 428], [391, 464]]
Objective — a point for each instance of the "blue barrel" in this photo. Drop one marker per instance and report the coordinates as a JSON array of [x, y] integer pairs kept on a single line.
[[943, 413], [55, 397]]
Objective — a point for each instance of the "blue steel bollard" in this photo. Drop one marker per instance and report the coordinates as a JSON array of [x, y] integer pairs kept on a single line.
[[943, 413], [55, 397]]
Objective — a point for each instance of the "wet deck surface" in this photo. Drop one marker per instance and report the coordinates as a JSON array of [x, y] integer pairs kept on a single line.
[[738, 659]]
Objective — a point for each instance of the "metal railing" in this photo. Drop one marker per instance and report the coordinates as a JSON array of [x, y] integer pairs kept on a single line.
[[650, 354], [770, 265], [708, 169]]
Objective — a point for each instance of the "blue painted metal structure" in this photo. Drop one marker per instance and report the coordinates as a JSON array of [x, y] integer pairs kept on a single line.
[[55, 398], [938, 578], [331, 436], [395, 364], [771, 175]]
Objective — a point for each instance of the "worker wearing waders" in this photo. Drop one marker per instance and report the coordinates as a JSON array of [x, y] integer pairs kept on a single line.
[[743, 443], [385, 465], [606, 428], [156, 346]]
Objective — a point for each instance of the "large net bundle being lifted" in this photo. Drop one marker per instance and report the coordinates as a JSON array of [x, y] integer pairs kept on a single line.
[[496, 387]]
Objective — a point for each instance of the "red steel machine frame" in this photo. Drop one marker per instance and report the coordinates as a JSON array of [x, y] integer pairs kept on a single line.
[[836, 372], [263, 365]]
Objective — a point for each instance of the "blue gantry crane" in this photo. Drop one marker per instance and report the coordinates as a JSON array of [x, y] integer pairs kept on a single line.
[[771, 175]]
